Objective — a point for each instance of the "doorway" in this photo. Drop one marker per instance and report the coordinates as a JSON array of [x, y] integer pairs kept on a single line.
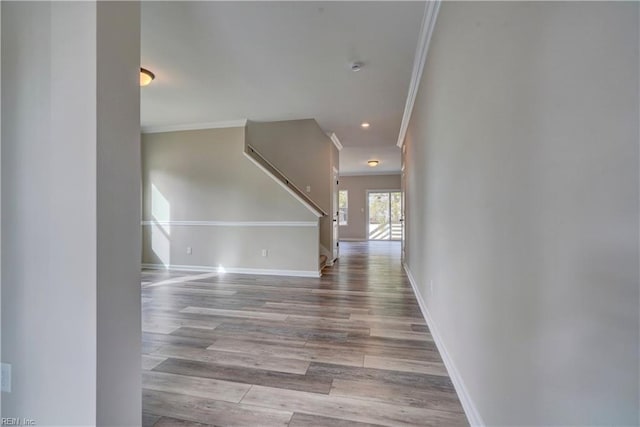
[[384, 211]]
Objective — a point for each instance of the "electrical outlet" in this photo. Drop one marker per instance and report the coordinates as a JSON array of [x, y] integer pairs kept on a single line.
[[189, 251], [308, 189], [5, 377], [265, 252]]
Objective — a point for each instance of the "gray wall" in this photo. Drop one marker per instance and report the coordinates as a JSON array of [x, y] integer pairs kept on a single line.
[[356, 229], [302, 151], [203, 175], [119, 399], [0, 195], [522, 180], [70, 212]]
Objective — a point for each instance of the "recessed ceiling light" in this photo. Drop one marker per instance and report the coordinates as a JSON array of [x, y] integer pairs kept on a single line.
[[146, 77], [365, 125], [373, 163]]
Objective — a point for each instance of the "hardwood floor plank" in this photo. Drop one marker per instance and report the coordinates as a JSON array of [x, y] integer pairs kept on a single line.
[[234, 313], [419, 328], [240, 359], [220, 332], [178, 320], [374, 293], [389, 319], [403, 335], [246, 375], [149, 361], [428, 355], [307, 420], [401, 395], [194, 386], [348, 408], [158, 340], [321, 307], [173, 422], [393, 364], [336, 356], [211, 412], [149, 420], [369, 341], [159, 327], [410, 379]]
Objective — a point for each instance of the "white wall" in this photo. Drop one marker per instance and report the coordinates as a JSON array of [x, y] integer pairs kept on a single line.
[[59, 168], [357, 186], [204, 175], [522, 180]]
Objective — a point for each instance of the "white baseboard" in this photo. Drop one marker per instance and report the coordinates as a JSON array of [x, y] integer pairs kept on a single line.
[[351, 239], [254, 271], [470, 409]]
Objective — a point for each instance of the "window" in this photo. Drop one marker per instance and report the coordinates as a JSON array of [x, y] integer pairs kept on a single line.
[[343, 205]]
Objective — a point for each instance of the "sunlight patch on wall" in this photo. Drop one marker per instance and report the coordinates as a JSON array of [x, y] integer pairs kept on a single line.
[[160, 230]]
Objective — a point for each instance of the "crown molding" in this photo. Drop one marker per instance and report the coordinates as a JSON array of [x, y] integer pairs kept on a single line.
[[428, 24], [196, 126], [335, 140]]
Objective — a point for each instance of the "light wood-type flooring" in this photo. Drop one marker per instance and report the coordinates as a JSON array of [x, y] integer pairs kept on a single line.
[[348, 349]]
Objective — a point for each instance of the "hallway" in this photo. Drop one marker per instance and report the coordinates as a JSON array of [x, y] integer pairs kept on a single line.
[[350, 348]]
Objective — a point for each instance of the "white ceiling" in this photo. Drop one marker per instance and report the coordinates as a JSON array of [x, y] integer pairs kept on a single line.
[[353, 160], [221, 61]]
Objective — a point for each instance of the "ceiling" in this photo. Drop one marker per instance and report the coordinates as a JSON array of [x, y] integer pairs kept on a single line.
[[353, 160], [264, 61]]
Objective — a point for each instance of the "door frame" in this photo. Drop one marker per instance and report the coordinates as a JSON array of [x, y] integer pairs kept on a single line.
[[366, 212], [335, 214]]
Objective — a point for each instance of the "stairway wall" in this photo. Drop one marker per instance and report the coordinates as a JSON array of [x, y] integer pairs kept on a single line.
[[303, 152], [201, 191]]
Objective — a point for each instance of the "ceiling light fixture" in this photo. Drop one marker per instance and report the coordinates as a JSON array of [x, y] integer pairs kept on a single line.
[[146, 77], [373, 163], [365, 125]]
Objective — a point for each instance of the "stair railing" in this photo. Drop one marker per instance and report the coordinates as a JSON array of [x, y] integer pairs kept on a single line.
[[282, 179]]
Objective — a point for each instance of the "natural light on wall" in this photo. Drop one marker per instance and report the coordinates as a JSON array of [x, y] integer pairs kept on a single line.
[[161, 228]]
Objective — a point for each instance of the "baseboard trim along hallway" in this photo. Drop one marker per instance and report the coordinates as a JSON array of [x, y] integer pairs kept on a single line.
[[470, 408]]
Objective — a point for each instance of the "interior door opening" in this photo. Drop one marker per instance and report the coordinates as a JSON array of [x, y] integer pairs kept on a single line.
[[384, 212]]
